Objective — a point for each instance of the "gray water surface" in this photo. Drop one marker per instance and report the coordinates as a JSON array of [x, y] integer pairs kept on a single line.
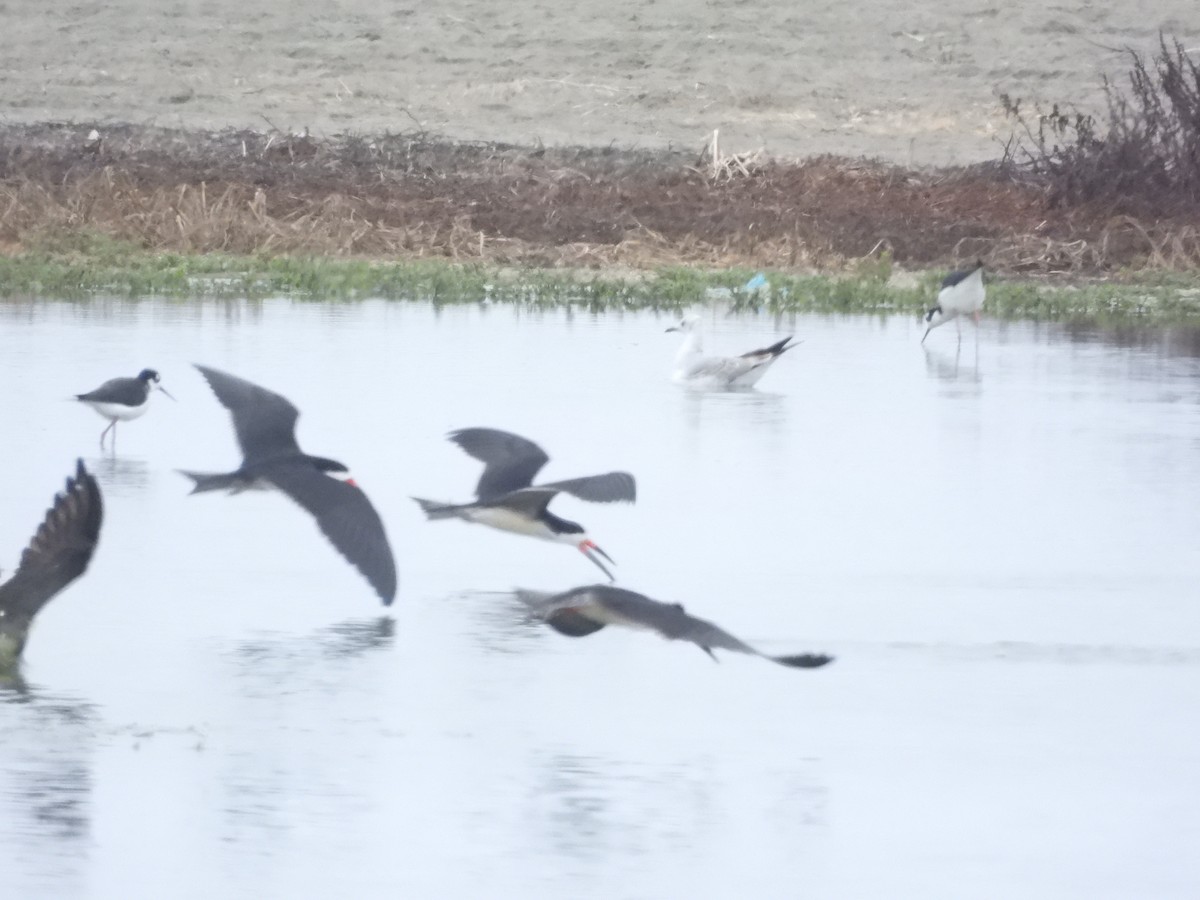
[[1000, 545]]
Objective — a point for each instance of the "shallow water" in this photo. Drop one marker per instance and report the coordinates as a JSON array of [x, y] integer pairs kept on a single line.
[[1000, 545]]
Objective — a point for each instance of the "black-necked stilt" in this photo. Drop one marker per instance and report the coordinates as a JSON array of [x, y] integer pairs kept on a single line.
[[585, 610], [122, 399], [962, 294], [265, 424], [693, 368], [59, 553], [508, 499]]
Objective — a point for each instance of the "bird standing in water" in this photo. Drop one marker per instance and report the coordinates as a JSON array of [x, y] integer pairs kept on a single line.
[[962, 294], [122, 399]]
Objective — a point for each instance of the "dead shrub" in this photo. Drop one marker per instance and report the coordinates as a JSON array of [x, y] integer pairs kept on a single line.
[[1144, 160]]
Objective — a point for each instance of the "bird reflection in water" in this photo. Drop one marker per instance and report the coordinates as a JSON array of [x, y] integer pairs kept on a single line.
[[758, 409], [121, 476], [951, 367], [46, 774], [341, 641]]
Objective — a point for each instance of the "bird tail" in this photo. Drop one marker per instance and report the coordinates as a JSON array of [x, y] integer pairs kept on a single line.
[[779, 348], [434, 510], [211, 481]]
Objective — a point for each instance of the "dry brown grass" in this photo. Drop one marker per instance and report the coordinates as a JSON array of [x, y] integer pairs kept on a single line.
[[410, 196]]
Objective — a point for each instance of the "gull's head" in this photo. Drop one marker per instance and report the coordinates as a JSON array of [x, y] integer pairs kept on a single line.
[[688, 324]]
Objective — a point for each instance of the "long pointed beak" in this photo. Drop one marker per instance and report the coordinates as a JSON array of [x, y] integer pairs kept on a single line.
[[164, 390], [926, 334], [592, 552], [669, 330]]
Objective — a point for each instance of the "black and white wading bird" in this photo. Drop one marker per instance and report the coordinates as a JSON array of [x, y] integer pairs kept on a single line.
[[508, 499], [695, 369], [265, 424], [59, 553], [122, 399], [962, 294], [585, 610]]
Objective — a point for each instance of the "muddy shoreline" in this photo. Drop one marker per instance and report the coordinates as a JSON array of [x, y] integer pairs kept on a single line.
[[416, 195]]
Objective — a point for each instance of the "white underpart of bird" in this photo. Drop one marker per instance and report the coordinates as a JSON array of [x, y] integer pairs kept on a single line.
[[962, 294], [694, 369]]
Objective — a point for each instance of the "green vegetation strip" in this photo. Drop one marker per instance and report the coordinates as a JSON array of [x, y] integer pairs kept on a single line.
[[99, 267]]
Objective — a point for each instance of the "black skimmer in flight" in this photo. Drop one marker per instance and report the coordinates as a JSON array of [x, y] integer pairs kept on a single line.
[[962, 294], [693, 368], [508, 500], [585, 610], [59, 553], [265, 424], [122, 399]]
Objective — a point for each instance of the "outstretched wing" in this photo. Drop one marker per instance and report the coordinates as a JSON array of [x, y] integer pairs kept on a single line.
[[60, 550], [510, 461], [607, 488], [264, 421], [710, 637], [346, 517]]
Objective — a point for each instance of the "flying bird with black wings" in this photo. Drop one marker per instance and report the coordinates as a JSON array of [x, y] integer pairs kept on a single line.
[[265, 424], [507, 498], [59, 553], [585, 610]]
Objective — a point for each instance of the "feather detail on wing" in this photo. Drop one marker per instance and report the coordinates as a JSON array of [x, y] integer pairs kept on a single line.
[[264, 421], [346, 517], [61, 548]]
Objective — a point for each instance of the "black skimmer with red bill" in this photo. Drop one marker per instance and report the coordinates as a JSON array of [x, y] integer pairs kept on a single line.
[[695, 369], [59, 553], [508, 499], [962, 294], [265, 424], [585, 610], [122, 399]]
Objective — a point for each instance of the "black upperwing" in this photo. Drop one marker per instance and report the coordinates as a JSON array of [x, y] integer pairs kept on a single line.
[[510, 461], [345, 516], [610, 487], [961, 275], [60, 550], [264, 421]]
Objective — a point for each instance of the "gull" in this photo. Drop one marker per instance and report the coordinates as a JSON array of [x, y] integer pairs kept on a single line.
[[585, 610], [265, 424], [693, 368], [962, 293], [59, 553], [508, 500]]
